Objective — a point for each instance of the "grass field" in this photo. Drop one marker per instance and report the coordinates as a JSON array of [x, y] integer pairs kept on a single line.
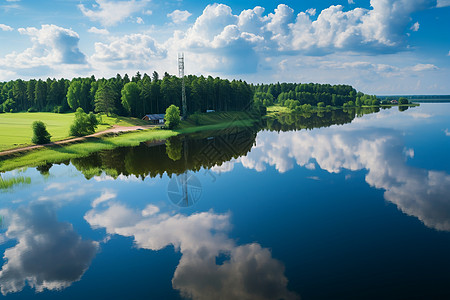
[[15, 128]]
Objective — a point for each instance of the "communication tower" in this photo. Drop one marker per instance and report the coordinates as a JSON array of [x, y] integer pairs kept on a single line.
[[183, 86]]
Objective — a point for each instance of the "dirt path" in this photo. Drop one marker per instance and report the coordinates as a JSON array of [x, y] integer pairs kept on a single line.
[[114, 129]]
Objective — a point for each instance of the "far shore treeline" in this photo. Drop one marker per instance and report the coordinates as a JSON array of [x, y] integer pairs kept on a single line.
[[144, 94]]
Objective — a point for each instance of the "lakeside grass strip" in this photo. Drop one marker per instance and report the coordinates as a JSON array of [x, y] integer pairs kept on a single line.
[[58, 154]]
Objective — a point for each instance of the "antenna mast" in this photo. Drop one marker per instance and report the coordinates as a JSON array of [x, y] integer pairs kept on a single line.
[[183, 86]]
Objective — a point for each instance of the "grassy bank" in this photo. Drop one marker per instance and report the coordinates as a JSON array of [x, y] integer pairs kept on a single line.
[[57, 154], [15, 128]]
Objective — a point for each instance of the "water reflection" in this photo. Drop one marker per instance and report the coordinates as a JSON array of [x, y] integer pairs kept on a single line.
[[204, 151], [48, 255], [247, 271], [417, 192]]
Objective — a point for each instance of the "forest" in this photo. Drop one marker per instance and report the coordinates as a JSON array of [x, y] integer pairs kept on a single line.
[[144, 94], [135, 96]]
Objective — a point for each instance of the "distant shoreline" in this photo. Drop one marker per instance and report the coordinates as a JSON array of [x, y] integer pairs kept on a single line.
[[419, 98]]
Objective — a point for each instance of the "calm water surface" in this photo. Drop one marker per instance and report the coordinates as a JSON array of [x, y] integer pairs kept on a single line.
[[355, 210]]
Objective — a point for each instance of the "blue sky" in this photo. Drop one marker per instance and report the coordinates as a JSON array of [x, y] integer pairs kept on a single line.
[[378, 46]]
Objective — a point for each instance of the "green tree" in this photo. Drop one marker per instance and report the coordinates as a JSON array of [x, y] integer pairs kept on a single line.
[[172, 117], [83, 124], [40, 94], [40, 133], [74, 94], [104, 99], [131, 98]]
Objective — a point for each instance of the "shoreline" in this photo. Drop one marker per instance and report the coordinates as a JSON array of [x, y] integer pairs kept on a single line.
[[84, 146]]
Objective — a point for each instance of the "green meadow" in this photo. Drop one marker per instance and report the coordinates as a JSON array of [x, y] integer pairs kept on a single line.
[[15, 128]]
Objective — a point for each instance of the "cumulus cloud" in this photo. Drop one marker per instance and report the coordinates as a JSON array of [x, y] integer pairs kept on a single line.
[[416, 192], [135, 50], [6, 27], [110, 13], [48, 255], [231, 42], [51, 45], [249, 272], [98, 30], [447, 132], [179, 16], [218, 44]]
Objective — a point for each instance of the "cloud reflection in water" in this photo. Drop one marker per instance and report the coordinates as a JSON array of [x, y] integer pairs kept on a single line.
[[48, 254], [249, 272], [417, 192]]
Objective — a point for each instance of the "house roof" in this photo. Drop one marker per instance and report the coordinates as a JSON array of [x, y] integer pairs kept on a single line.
[[155, 116]]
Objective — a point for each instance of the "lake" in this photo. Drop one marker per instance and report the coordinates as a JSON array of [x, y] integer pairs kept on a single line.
[[342, 205]]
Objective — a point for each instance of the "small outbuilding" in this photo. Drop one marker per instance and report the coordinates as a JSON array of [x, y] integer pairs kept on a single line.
[[154, 118]]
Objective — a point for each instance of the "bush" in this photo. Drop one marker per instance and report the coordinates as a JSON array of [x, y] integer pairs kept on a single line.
[[40, 133], [320, 104], [32, 109], [83, 124], [172, 116]]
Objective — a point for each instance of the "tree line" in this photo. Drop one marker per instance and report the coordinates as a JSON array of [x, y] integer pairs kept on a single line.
[[125, 96], [295, 95], [145, 94]]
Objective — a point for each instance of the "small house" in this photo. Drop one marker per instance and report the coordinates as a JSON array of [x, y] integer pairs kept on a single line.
[[154, 118]]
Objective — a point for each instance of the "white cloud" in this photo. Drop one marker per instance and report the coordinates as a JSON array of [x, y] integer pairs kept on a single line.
[[415, 27], [136, 50], [447, 132], [139, 20], [110, 13], [179, 16], [48, 254], [220, 41], [351, 2], [424, 67], [51, 45], [6, 27], [443, 3], [98, 30], [248, 272]]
